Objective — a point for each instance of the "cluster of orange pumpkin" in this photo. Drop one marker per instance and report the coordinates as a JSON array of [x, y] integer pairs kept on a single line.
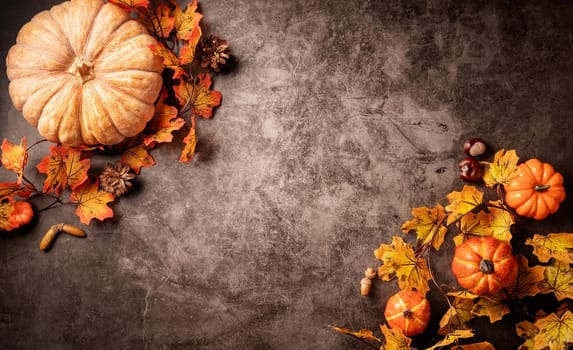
[[485, 265]]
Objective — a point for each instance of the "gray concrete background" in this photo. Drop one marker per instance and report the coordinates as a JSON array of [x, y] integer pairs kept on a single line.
[[339, 117]]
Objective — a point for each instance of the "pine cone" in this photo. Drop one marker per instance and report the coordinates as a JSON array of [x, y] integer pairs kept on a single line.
[[116, 178], [214, 52]]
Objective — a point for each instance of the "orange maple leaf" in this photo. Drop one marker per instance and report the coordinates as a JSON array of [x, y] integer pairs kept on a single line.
[[12, 189], [6, 209], [137, 157], [190, 142], [15, 157], [186, 21], [92, 202], [130, 5], [187, 52], [463, 202], [170, 60], [159, 23], [555, 332], [64, 167], [364, 334], [428, 225], [198, 96], [76, 168], [164, 122]]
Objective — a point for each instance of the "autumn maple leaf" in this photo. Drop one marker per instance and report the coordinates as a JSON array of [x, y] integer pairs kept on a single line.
[[555, 333], [187, 21], [527, 330], [502, 170], [137, 157], [500, 223], [453, 337], [484, 345], [6, 209], [394, 339], [15, 157], [363, 334], [159, 23], [494, 306], [558, 280], [187, 52], [92, 202], [197, 96], [554, 245], [163, 124], [463, 202], [170, 60], [190, 142], [130, 5], [458, 315], [428, 225], [527, 280], [12, 189], [63, 167]]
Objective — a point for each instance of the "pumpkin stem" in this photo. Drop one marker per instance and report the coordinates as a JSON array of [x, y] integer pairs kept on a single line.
[[408, 313], [82, 69], [541, 188], [486, 266]]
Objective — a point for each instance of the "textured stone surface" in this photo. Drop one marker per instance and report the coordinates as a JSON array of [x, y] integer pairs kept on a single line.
[[339, 117]]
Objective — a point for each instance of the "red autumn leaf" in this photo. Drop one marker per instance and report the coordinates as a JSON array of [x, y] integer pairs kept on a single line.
[[170, 60], [190, 142], [15, 157], [197, 96], [164, 122], [92, 202], [186, 21], [13, 189], [187, 52], [130, 5], [159, 23], [137, 157], [54, 166]]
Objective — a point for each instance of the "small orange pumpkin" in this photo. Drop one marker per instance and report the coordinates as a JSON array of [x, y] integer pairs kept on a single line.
[[484, 265], [83, 73], [408, 311], [536, 191]]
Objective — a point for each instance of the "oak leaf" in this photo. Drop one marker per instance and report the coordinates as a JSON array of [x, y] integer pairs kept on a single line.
[[159, 23], [463, 202], [170, 60], [187, 21], [92, 202], [484, 345], [15, 157], [554, 245], [527, 280], [364, 334], [163, 124], [527, 330], [558, 280], [555, 332], [428, 225], [458, 315], [137, 157], [196, 95], [190, 142], [400, 261], [452, 338], [491, 305], [502, 170], [130, 5], [394, 339]]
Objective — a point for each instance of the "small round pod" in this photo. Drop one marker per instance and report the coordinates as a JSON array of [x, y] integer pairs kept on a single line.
[[474, 147], [470, 170], [408, 311]]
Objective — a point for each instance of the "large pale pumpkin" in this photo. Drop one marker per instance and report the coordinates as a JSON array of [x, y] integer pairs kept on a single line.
[[83, 73]]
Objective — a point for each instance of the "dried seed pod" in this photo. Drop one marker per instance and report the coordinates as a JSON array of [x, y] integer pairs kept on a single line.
[[73, 230], [474, 147], [365, 284], [370, 273]]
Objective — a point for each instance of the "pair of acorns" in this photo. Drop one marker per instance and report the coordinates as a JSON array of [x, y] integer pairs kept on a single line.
[[470, 168]]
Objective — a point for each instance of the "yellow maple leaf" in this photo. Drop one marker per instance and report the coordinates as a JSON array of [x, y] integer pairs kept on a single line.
[[475, 224], [400, 261], [428, 225], [452, 338], [197, 96], [527, 280], [187, 21], [554, 245], [527, 330], [394, 339], [494, 306], [484, 345], [555, 333], [463, 202], [138, 157], [558, 280], [501, 222], [14, 157], [92, 202], [502, 170], [363, 334], [458, 315]]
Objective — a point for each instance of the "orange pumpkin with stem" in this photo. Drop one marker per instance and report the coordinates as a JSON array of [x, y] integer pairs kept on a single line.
[[536, 191]]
